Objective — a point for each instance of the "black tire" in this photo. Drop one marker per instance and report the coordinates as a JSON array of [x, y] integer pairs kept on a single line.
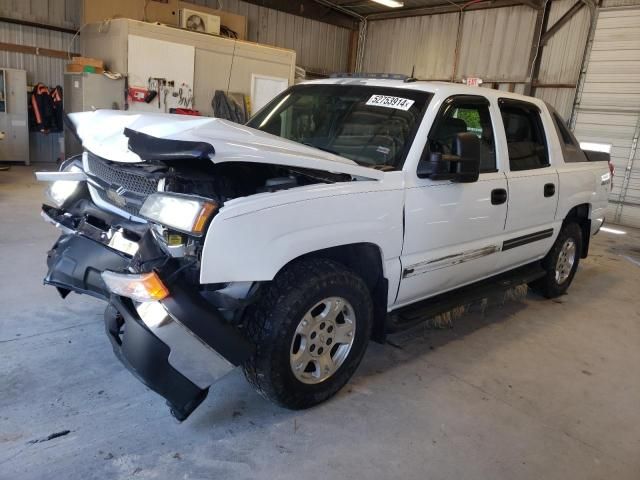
[[548, 285], [271, 324]]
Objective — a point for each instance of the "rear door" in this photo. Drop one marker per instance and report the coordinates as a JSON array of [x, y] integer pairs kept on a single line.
[[453, 231], [532, 183]]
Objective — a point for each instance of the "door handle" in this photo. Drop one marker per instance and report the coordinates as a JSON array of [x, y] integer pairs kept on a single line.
[[498, 196], [549, 190]]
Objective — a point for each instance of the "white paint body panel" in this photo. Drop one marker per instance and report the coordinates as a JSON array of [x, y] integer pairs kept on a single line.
[[252, 238], [448, 234], [444, 219]]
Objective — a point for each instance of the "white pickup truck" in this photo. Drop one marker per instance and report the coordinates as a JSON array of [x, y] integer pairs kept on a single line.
[[340, 210]]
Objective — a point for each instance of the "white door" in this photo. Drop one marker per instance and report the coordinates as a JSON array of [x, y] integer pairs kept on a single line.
[[532, 183], [453, 231]]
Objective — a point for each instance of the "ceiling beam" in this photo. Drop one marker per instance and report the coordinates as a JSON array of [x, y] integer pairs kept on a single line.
[[535, 57], [569, 14], [310, 9], [449, 8], [46, 26], [41, 52]]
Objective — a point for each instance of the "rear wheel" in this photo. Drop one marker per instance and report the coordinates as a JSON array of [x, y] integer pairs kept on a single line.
[[561, 262], [310, 329]]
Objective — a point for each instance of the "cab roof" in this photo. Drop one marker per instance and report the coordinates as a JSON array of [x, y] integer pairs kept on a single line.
[[444, 89]]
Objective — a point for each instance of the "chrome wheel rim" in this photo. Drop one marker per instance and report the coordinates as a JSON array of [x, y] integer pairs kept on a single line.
[[566, 259], [322, 340]]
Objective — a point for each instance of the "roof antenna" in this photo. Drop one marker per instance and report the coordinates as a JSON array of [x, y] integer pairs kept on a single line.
[[411, 78]]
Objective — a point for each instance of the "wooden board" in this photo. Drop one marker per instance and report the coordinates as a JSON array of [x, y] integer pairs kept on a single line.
[[145, 10]]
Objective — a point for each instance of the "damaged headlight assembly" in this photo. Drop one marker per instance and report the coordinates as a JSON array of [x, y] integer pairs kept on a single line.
[[62, 190], [185, 213]]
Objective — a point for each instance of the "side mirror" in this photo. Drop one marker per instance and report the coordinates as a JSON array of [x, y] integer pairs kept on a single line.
[[463, 165]]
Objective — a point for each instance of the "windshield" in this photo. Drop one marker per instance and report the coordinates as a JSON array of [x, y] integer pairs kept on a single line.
[[373, 126]]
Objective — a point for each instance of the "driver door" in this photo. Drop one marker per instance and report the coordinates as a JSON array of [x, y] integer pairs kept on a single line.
[[453, 231]]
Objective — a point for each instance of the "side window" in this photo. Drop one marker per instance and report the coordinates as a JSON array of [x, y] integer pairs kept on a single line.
[[571, 151], [526, 141], [465, 114], [563, 131]]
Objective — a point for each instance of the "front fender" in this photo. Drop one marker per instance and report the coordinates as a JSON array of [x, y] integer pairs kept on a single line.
[[255, 246]]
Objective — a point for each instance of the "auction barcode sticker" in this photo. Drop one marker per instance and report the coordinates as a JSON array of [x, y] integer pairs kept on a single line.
[[390, 102]]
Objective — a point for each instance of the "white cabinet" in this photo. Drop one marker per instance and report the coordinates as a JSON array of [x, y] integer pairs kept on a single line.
[[205, 62], [14, 130]]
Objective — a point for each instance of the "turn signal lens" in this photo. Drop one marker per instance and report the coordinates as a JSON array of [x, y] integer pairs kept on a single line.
[[201, 221], [143, 287]]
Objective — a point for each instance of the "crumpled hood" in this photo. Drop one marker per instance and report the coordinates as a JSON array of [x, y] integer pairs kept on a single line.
[[102, 132]]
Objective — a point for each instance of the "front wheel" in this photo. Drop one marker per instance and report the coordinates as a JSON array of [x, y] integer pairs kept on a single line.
[[310, 330], [561, 262]]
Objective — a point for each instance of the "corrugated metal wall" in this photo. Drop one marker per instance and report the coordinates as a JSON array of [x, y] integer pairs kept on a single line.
[[495, 46], [562, 56], [496, 43], [619, 3], [65, 13], [428, 42], [319, 46], [609, 106]]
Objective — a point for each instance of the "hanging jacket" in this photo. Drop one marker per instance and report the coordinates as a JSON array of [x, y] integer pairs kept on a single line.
[[42, 108], [56, 97]]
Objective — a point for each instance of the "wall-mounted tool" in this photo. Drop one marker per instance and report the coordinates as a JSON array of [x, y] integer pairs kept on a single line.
[[137, 94], [185, 94], [151, 94], [156, 86]]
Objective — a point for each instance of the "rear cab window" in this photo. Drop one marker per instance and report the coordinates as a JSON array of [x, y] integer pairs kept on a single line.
[[571, 151], [524, 132]]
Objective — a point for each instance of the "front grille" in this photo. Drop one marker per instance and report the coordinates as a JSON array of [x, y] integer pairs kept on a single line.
[[141, 183], [129, 206], [121, 186]]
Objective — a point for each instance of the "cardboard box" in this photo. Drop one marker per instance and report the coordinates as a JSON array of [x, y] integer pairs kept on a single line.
[[74, 68], [77, 68], [92, 62]]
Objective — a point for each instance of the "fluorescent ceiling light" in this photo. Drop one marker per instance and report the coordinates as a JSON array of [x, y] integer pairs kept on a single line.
[[389, 3], [613, 230]]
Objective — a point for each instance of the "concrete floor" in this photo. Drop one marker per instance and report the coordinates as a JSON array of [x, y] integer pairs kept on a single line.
[[531, 390]]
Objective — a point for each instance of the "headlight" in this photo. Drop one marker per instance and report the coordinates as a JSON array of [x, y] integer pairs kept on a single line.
[[61, 190], [184, 213]]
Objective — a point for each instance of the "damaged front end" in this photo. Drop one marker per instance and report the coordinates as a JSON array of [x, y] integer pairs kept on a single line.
[[172, 333], [134, 210]]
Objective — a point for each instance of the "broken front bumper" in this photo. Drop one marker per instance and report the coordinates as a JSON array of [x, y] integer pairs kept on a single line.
[[177, 347]]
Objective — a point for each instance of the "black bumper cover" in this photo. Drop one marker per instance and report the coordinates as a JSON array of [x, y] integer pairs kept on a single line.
[[75, 264], [147, 358]]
